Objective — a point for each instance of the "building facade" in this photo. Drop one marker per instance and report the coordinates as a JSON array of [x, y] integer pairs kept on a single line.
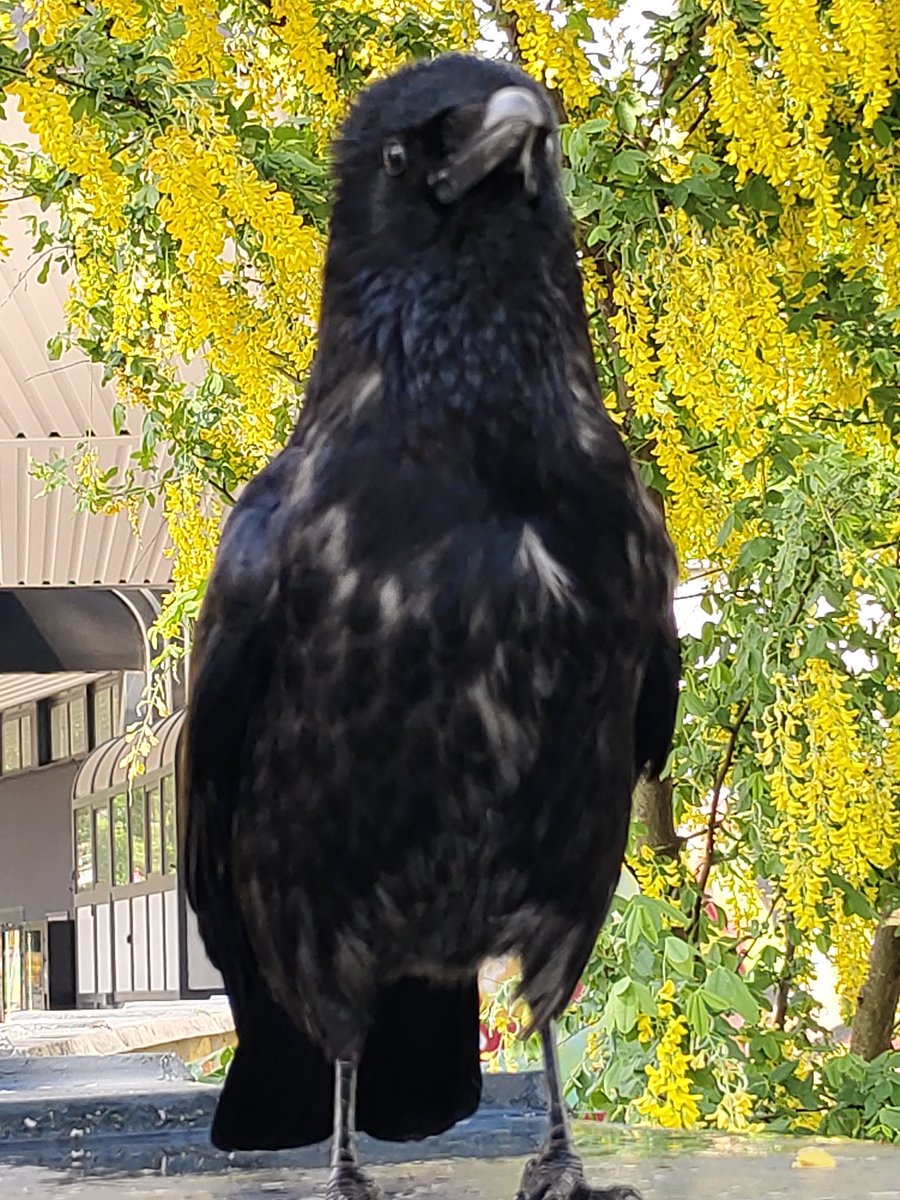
[[48, 724], [92, 910]]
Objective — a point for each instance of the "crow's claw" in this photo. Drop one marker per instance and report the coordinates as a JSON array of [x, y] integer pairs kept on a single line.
[[559, 1175], [347, 1182]]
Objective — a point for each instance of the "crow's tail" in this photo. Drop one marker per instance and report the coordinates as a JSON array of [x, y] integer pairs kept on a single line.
[[279, 1087], [421, 1069], [419, 1075]]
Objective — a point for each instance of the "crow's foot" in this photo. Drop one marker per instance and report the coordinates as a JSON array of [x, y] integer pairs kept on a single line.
[[347, 1182], [558, 1175]]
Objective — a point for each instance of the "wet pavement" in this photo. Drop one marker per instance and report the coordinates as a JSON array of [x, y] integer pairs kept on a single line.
[[662, 1167], [136, 1127]]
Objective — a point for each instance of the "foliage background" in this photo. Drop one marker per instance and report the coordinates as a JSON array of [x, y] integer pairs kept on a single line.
[[736, 186]]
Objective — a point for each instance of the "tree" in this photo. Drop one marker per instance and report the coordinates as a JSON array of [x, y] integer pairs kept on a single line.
[[736, 185]]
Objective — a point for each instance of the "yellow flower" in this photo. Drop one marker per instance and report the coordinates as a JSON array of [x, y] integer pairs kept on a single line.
[[863, 31], [836, 811], [644, 1029], [552, 53], [668, 1098], [78, 147], [129, 23]]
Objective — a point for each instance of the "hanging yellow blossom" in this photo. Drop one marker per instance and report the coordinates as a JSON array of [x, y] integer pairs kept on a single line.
[[862, 30], [669, 1099]]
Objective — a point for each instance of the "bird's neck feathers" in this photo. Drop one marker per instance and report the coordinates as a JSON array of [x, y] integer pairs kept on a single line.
[[492, 329]]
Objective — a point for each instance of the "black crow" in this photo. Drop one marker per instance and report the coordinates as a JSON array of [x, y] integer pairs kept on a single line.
[[436, 650]]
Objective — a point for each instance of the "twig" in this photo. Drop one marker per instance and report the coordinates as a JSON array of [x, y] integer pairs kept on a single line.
[[713, 822], [704, 109], [129, 101], [752, 942], [784, 980], [693, 42]]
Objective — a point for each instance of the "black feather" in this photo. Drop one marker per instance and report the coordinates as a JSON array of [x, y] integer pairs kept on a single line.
[[436, 648]]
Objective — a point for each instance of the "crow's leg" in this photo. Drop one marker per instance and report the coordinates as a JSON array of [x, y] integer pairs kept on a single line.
[[557, 1173], [347, 1181]]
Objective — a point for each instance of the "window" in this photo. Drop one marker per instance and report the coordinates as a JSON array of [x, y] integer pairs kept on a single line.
[[121, 870], [59, 730], [17, 742], [68, 726], [169, 839], [101, 843], [12, 748], [154, 804], [138, 837], [84, 850], [27, 729], [78, 737], [105, 699]]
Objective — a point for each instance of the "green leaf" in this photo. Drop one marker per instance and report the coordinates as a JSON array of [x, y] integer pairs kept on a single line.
[[757, 550], [730, 990], [783, 1072], [693, 704], [621, 1011], [629, 162], [881, 132], [54, 348], [678, 955], [84, 105], [626, 115], [698, 1015], [595, 125], [758, 193], [855, 903]]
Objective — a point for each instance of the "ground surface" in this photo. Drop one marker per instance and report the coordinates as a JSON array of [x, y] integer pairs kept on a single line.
[[135, 1127], [664, 1169]]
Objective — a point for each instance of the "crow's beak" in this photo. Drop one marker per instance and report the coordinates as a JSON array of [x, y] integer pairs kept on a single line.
[[512, 118]]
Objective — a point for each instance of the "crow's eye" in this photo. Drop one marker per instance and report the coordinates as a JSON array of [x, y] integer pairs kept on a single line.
[[394, 154]]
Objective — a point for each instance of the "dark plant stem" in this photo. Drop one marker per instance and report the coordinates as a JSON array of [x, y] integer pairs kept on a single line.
[[713, 820], [784, 980]]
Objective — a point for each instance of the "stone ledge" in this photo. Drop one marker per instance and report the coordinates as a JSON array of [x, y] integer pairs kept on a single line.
[[143, 1109], [135, 1026]]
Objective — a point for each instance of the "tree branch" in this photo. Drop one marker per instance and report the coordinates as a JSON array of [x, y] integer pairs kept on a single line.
[[128, 101], [713, 820], [876, 1007], [784, 980]]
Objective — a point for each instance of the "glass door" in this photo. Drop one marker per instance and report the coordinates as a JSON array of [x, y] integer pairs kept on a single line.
[[34, 964], [11, 973]]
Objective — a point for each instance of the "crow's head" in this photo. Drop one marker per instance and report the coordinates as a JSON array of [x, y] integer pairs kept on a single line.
[[442, 149]]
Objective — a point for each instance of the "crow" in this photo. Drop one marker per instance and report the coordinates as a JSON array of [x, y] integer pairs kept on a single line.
[[436, 650]]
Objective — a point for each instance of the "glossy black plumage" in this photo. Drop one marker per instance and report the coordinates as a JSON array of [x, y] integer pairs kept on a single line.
[[436, 648]]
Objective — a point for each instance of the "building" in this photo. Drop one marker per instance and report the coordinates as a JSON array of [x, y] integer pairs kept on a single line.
[[90, 906], [49, 724]]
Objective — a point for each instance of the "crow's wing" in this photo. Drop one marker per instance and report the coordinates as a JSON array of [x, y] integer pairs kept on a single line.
[[279, 1089], [231, 662], [654, 722]]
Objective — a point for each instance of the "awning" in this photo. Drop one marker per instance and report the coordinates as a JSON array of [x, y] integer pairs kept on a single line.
[[50, 410], [102, 770], [46, 630]]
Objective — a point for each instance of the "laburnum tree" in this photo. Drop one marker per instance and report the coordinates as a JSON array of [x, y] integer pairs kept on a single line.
[[735, 181]]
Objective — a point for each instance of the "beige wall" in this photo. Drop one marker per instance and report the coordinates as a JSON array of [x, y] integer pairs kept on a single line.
[[35, 843]]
